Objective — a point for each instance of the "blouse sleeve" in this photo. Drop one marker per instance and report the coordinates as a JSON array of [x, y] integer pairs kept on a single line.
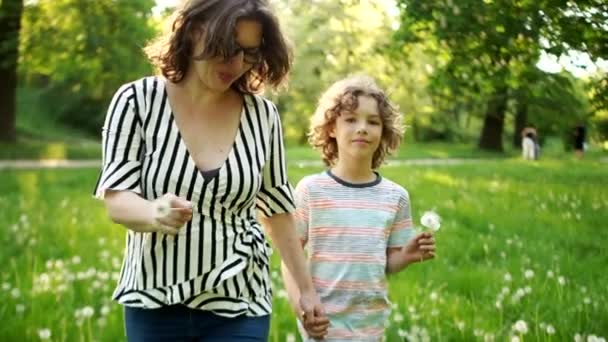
[[402, 229], [121, 145], [276, 194]]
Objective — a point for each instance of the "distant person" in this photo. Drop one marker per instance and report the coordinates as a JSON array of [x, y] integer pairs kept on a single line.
[[579, 140], [529, 144], [355, 224], [190, 156], [528, 147]]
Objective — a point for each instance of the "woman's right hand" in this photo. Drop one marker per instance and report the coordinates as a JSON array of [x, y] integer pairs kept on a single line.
[[169, 214]]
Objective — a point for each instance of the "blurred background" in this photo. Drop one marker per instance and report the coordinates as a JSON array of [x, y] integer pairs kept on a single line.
[[522, 248], [472, 73]]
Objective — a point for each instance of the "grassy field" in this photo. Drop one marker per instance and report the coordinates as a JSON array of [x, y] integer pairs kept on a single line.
[[519, 242]]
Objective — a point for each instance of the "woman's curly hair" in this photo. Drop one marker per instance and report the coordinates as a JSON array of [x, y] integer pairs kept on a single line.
[[342, 97], [172, 52]]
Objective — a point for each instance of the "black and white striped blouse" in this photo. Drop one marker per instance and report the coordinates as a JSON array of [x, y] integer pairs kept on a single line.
[[220, 260]]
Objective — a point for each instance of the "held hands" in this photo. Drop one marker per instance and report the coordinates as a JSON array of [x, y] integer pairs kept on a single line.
[[169, 213], [313, 316], [420, 248]]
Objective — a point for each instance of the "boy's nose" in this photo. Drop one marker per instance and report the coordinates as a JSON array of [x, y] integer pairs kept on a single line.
[[362, 129]]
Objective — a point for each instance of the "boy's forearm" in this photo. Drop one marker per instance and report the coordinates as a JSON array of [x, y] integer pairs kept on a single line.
[[282, 232], [396, 262]]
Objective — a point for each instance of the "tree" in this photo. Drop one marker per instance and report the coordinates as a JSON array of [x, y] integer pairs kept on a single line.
[[80, 51], [10, 26], [492, 43], [331, 42]]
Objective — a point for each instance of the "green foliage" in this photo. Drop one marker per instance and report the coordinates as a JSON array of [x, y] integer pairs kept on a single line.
[[489, 49], [331, 41], [82, 51]]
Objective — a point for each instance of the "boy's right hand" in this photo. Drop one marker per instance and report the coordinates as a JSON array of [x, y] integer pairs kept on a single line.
[[313, 316]]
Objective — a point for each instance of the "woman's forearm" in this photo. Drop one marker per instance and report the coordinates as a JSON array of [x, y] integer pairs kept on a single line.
[[129, 209], [282, 232], [293, 293]]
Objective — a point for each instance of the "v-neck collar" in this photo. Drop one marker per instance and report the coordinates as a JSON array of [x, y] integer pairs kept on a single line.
[[174, 126]]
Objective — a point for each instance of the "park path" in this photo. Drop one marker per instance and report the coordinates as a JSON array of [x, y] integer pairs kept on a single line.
[[95, 163]]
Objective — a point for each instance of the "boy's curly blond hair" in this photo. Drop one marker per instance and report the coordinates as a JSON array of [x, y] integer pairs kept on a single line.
[[342, 97]]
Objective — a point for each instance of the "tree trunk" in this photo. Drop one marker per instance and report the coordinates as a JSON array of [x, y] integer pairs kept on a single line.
[[10, 25], [494, 121], [521, 118]]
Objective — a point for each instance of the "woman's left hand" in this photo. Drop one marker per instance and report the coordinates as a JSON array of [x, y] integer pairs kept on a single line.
[[313, 316]]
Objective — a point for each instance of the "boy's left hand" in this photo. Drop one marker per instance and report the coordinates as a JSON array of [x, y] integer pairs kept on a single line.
[[420, 248]]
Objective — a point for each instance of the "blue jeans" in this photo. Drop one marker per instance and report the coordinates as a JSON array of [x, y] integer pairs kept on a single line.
[[180, 323]]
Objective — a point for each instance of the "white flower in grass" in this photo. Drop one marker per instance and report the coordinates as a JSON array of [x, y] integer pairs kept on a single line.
[[460, 325], [19, 308], [6, 286], [87, 312], [561, 280], [508, 277], [431, 220], [578, 337], [434, 296], [102, 322], [550, 329], [550, 274], [15, 293], [290, 338], [528, 274], [398, 317], [44, 334], [402, 333], [528, 289], [521, 327], [498, 305], [515, 339], [587, 300], [282, 293], [104, 310]]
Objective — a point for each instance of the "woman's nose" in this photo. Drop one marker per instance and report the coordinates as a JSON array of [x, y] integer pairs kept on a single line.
[[237, 60]]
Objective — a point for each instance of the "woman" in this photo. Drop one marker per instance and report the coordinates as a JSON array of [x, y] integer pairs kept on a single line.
[[188, 158]]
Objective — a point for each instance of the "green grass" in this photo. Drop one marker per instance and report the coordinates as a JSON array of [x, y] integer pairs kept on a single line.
[[60, 254]]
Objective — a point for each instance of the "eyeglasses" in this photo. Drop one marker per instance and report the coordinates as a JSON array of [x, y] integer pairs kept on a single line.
[[251, 55]]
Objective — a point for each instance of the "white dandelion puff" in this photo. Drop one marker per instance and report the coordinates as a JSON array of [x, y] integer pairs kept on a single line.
[[44, 334], [431, 220], [521, 327]]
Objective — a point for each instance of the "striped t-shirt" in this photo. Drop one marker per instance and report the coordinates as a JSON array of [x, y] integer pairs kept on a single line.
[[220, 259], [347, 229]]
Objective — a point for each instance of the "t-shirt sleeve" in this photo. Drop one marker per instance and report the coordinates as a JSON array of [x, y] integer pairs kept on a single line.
[[402, 229], [121, 145], [276, 194], [302, 212]]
